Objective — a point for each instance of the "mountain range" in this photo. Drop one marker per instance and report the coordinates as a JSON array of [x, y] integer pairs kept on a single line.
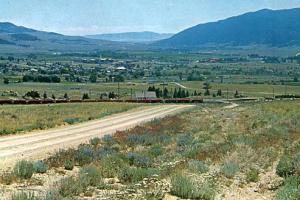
[[265, 27], [272, 28], [136, 37], [21, 39]]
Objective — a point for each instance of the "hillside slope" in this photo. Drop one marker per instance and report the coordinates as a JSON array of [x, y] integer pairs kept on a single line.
[[264, 27], [18, 38]]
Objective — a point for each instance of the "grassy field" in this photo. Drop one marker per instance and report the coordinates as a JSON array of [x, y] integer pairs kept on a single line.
[[251, 151], [76, 90], [33, 117], [256, 90]]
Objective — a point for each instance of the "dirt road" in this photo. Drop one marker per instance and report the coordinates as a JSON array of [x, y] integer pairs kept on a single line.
[[41, 144]]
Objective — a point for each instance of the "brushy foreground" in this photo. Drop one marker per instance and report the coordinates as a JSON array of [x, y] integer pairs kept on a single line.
[[249, 152], [15, 119]]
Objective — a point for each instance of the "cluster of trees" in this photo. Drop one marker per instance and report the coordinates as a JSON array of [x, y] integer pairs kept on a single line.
[[36, 95], [110, 95], [206, 87], [180, 93], [195, 76], [85, 96], [6, 81], [117, 78], [41, 78], [159, 92]]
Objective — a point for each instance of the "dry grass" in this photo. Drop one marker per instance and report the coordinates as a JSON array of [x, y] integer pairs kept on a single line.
[[230, 144], [15, 119]]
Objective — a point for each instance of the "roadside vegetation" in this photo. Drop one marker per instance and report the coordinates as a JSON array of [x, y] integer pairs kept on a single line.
[[14, 119], [210, 152]]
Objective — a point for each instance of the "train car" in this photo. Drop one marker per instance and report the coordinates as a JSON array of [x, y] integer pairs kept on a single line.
[[48, 101], [19, 101], [178, 100], [62, 101], [6, 101]]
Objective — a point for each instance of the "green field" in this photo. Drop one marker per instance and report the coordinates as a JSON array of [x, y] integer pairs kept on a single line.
[[18, 118]]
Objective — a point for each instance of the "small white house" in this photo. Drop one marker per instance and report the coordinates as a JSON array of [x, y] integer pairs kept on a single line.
[[145, 95]]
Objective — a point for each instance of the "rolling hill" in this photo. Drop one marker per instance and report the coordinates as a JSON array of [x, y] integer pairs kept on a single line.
[[132, 36], [21, 39], [275, 28]]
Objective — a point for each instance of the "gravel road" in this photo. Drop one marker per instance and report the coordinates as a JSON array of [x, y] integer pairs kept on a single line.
[[39, 145]]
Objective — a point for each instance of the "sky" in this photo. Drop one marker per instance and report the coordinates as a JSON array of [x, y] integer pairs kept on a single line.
[[83, 17]]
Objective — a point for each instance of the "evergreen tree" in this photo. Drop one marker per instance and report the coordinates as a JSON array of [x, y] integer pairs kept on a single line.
[[175, 93], [236, 95], [66, 96], [85, 96], [165, 93], [187, 94], [93, 78], [206, 87], [45, 96], [6, 81], [207, 92]]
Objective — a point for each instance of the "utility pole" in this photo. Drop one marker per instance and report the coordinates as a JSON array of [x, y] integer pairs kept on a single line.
[[131, 93], [118, 90], [227, 93], [273, 93], [285, 89]]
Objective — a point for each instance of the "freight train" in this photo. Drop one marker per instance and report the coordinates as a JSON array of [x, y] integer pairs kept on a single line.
[[57, 101]]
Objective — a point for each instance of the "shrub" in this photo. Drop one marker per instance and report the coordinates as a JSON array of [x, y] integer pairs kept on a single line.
[[184, 187], [229, 169], [91, 173], [103, 152], [252, 175], [52, 194], [133, 175], [285, 166], [70, 186], [71, 120], [139, 160], [40, 167], [95, 141], [110, 167], [23, 196], [147, 139], [197, 166], [84, 155], [61, 157], [69, 165], [156, 150], [24, 169], [108, 140], [7, 178], [135, 139], [290, 189], [191, 151], [184, 140]]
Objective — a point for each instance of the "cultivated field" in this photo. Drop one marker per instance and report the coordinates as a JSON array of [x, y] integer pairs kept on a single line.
[[211, 152], [15, 118]]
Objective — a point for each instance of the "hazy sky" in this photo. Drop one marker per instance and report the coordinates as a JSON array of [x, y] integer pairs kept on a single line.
[[81, 17]]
